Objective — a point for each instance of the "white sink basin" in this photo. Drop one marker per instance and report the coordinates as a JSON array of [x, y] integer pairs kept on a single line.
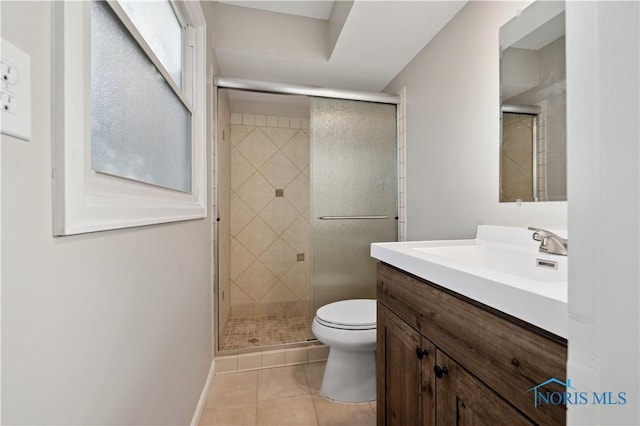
[[506, 259], [501, 267]]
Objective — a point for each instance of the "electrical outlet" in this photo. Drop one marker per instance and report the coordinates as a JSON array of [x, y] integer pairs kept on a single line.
[[8, 102], [15, 92]]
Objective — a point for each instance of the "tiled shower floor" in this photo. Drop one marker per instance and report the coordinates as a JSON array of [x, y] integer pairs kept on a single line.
[[250, 332]]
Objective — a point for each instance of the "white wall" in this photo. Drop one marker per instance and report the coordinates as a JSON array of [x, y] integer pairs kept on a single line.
[[453, 131], [104, 328], [270, 33], [603, 95]]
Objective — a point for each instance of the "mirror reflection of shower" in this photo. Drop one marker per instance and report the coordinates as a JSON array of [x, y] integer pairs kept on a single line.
[[523, 154]]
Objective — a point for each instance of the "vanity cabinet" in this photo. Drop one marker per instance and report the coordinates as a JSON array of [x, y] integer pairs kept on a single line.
[[443, 359], [405, 361]]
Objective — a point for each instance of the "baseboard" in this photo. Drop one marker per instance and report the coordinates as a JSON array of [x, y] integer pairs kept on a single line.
[[203, 396]]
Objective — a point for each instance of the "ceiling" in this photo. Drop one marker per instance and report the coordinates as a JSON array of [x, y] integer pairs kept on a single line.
[[310, 9], [355, 45]]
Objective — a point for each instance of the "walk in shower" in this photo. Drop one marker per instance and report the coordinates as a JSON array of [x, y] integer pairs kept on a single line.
[[303, 186]]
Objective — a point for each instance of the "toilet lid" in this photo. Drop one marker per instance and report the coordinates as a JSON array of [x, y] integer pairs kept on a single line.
[[351, 314]]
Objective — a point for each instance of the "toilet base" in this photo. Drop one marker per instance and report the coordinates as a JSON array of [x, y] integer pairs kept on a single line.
[[349, 376]]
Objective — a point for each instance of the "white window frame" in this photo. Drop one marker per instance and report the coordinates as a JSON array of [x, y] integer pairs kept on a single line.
[[88, 201]]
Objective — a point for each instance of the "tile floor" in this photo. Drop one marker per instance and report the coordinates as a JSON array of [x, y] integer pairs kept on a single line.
[[279, 396], [251, 332]]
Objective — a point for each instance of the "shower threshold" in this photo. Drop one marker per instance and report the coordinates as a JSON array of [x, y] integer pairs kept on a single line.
[[259, 332]]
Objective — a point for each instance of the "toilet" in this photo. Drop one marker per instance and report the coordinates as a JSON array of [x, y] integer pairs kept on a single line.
[[348, 327]]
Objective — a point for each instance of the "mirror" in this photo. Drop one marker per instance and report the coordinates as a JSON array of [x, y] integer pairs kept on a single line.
[[533, 154]]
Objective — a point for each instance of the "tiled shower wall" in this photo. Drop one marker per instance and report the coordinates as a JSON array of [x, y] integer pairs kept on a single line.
[[516, 161], [516, 158], [269, 215]]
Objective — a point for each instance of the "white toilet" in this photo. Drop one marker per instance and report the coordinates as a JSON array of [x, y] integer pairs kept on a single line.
[[348, 327]]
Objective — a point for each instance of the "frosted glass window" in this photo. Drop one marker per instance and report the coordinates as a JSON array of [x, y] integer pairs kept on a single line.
[[140, 129], [158, 24]]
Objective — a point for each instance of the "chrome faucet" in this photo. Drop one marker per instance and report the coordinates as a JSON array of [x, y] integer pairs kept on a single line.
[[550, 242]]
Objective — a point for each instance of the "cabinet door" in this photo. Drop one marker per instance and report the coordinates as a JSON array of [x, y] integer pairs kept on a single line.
[[464, 400], [405, 373]]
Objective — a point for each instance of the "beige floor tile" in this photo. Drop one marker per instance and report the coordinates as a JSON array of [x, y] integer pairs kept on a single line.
[[233, 389], [295, 410], [282, 382], [279, 396], [336, 413], [374, 407], [237, 415], [314, 372]]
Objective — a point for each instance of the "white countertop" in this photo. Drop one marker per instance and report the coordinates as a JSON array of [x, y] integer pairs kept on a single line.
[[497, 268]]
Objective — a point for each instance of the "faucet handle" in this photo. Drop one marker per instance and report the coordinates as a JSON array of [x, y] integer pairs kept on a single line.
[[538, 234]]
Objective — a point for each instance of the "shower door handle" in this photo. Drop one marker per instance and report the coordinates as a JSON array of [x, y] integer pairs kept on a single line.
[[351, 217]]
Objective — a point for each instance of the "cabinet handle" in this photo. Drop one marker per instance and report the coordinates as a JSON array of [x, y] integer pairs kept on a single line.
[[440, 371], [422, 353]]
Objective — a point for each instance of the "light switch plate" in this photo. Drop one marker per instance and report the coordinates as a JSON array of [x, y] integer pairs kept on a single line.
[[15, 92]]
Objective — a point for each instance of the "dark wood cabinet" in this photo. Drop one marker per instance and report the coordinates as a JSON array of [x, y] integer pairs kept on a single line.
[[446, 360], [407, 397], [464, 400]]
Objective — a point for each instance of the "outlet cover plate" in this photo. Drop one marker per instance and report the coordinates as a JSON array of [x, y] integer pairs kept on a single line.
[[15, 92]]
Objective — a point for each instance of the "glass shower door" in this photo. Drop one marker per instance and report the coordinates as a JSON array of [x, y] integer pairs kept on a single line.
[[353, 187]]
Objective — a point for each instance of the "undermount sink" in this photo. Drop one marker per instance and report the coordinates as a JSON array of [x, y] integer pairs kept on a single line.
[[501, 268]]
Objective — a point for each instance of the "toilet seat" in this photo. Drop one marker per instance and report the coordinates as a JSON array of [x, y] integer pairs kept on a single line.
[[355, 314]]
